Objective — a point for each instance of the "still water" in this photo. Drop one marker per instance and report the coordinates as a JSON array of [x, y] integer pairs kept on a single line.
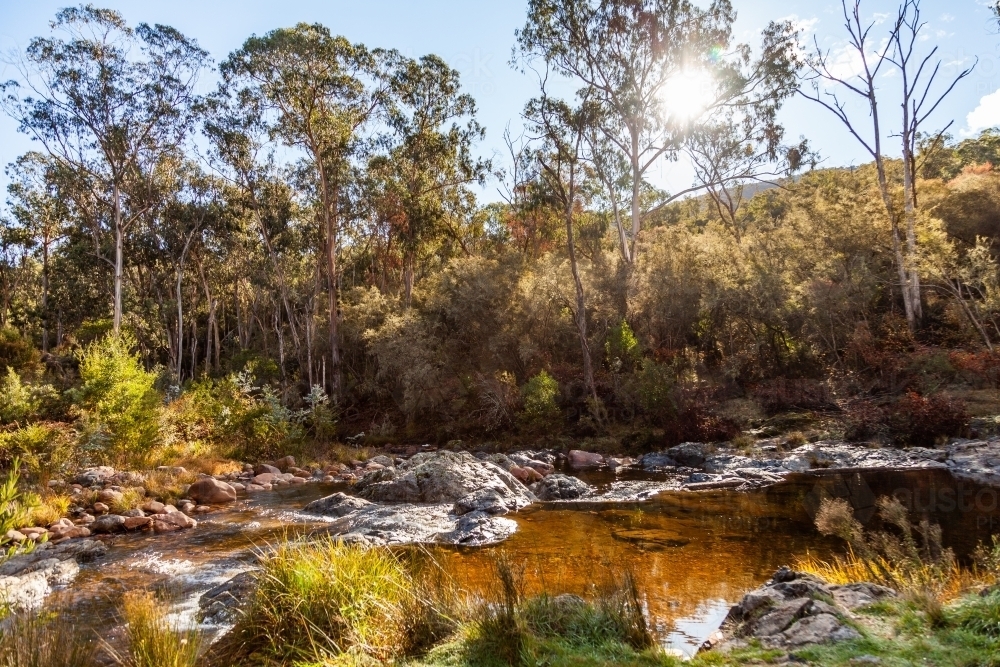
[[694, 554]]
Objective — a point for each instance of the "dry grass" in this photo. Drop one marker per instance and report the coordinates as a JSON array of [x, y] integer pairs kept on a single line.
[[211, 464], [44, 640], [51, 508], [151, 640], [168, 487], [131, 498]]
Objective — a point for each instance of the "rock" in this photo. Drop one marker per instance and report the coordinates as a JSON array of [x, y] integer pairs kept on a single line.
[[136, 522], [220, 604], [210, 491], [718, 484], [580, 459], [255, 488], [109, 523], [172, 470], [178, 519], [109, 496], [657, 460], [152, 507], [163, 526], [338, 504], [265, 478], [855, 596], [525, 475], [26, 579], [821, 629], [265, 469], [479, 528], [382, 460], [23, 593], [441, 477], [284, 463], [101, 508], [488, 501], [15, 536], [415, 524], [690, 454], [92, 476], [560, 487]]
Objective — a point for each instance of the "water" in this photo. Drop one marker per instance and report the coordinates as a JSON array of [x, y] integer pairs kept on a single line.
[[694, 554]]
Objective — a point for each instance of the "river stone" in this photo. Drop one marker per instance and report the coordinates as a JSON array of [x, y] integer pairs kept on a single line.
[[135, 522], [220, 604], [821, 629], [338, 504], [855, 596], [26, 579], [210, 491], [176, 519], [479, 528], [441, 477], [526, 475], [265, 478], [420, 524], [109, 523], [656, 460], [92, 476], [23, 593], [581, 459], [690, 454], [265, 469], [487, 500], [560, 487]]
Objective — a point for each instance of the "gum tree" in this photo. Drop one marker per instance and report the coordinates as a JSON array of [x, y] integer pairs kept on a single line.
[[107, 101]]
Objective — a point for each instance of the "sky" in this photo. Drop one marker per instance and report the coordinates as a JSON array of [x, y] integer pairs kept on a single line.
[[476, 37]]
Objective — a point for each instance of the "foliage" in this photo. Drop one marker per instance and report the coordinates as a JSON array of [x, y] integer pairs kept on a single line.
[[912, 420], [20, 400], [14, 508], [621, 347], [117, 404], [45, 448], [16, 353], [539, 397]]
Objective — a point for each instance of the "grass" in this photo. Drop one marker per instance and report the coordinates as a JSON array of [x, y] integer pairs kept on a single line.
[[151, 641], [131, 498], [168, 487], [43, 640], [50, 508], [316, 600]]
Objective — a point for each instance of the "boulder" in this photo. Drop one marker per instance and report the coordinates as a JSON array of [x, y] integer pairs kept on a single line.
[[657, 460], [488, 500], [109, 523], [338, 504], [220, 604], [152, 507], [136, 522], [419, 524], [178, 519], [210, 491], [560, 487], [284, 463], [26, 579], [265, 468], [525, 475], [580, 459], [265, 478], [690, 454], [92, 476], [441, 477]]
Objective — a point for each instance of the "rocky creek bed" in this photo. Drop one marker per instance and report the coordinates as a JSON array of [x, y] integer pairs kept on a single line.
[[701, 525]]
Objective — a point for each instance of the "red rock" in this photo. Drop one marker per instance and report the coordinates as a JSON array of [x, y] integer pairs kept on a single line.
[[152, 506], [210, 491], [581, 459], [525, 475], [163, 526], [265, 478], [134, 522], [177, 519]]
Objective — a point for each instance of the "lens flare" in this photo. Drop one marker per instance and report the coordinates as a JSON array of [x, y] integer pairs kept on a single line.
[[687, 95]]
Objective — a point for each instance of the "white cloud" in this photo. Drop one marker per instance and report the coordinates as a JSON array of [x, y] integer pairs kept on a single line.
[[947, 18], [987, 114]]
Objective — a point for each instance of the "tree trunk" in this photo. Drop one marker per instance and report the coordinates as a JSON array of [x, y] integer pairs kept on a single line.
[[119, 259], [897, 249], [581, 306], [408, 279], [910, 211], [45, 296], [178, 294]]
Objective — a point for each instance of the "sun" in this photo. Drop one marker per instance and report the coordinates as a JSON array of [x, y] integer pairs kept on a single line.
[[687, 95]]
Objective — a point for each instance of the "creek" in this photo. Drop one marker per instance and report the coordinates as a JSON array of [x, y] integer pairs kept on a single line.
[[693, 553]]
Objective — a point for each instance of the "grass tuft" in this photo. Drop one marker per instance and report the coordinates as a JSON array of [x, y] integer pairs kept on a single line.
[[43, 640], [151, 640]]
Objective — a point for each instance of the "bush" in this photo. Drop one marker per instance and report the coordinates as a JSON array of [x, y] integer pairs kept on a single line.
[[117, 403], [622, 348], [539, 395], [16, 352], [782, 395], [912, 420], [44, 448]]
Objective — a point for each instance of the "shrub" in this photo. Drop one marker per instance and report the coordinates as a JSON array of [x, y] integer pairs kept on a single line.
[[539, 396], [117, 403], [912, 420], [151, 640], [16, 352], [622, 348], [50, 508], [44, 448], [14, 510]]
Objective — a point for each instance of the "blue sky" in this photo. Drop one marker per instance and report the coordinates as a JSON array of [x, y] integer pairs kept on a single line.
[[476, 37]]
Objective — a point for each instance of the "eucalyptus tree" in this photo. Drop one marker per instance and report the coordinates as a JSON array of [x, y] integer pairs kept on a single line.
[[316, 92], [654, 69], [897, 57], [107, 100], [40, 205], [562, 173], [421, 181]]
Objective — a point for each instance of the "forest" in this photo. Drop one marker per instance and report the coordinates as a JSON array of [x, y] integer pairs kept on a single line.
[[300, 255]]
